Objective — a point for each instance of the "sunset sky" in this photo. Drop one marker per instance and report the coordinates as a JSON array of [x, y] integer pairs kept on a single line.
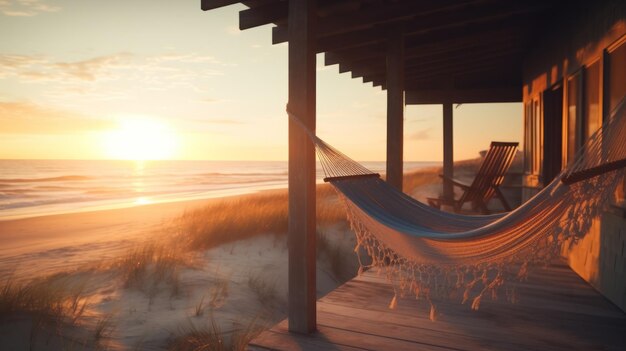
[[163, 79]]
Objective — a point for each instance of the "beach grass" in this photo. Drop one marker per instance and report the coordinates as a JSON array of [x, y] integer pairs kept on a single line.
[[265, 290], [155, 267], [49, 299], [214, 338], [51, 311], [244, 217]]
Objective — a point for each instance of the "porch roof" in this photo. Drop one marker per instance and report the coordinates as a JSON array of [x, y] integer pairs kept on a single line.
[[460, 51]]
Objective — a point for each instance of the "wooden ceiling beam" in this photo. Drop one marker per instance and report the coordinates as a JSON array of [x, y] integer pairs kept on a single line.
[[490, 76], [381, 13], [385, 13], [480, 50], [494, 63], [505, 37], [448, 25], [377, 68], [275, 12], [467, 96], [497, 76]]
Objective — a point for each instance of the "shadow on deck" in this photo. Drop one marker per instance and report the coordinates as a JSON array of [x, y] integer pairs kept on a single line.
[[557, 311]]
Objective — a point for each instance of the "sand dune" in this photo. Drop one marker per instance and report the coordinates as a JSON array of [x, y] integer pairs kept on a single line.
[[149, 278]]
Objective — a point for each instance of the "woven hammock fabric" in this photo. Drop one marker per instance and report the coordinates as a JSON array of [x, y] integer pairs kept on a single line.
[[430, 253]]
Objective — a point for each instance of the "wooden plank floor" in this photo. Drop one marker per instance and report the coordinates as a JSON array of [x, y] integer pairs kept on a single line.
[[557, 311]]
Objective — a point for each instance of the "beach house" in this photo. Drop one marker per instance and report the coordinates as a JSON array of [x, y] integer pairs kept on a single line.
[[565, 61]]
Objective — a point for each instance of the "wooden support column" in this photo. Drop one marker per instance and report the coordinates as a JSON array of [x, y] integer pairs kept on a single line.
[[301, 238], [448, 157], [395, 108]]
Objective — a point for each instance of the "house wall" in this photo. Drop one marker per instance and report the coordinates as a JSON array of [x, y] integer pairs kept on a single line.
[[578, 37]]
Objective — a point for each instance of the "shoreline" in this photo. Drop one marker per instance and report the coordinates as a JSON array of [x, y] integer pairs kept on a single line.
[[224, 267], [97, 206], [59, 241]]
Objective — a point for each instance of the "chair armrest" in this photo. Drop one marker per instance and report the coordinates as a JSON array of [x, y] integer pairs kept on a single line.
[[456, 182]]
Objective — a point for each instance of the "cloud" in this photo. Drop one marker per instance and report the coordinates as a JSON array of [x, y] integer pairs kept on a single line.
[[82, 77], [91, 69], [39, 68], [25, 8], [108, 67], [29, 118], [423, 134]]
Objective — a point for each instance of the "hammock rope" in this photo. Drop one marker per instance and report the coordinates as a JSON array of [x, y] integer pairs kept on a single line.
[[437, 255]]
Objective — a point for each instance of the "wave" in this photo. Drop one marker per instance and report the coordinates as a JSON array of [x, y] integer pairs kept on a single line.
[[51, 179], [241, 174]]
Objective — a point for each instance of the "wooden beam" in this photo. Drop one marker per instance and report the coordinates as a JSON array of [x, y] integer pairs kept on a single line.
[[460, 96], [261, 15], [435, 71], [386, 13], [448, 149], [505, 39], [395, 108], [207, 5], [445, 50], [477, 17], [378, 14], [277, 11], [432, 63], [302, 230]]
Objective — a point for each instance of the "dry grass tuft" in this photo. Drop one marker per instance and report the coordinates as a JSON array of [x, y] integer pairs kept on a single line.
[[420, 178], [336, 257], [50, 299], [266, 292], [54, 307], [213, 338], [219, 292], [234, 219], [244, 217], [153, 266]]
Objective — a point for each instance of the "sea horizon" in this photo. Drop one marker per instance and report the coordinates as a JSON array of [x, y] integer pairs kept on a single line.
[[33, 188]]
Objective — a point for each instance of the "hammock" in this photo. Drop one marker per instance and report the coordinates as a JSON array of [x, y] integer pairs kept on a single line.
[[435, 254]]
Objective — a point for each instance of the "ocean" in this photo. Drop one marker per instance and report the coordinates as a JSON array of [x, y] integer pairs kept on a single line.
[[30, 188]]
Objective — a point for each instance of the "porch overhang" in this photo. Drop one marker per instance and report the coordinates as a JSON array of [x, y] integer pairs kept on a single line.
[[421, 52]]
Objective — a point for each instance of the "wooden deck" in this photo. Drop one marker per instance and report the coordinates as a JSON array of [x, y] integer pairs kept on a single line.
[[557, 311]]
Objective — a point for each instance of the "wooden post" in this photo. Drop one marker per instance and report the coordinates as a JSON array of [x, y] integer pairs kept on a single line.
[[395, 108], [301, 238], [448, 157]]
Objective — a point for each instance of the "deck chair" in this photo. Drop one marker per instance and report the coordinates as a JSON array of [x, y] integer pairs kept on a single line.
[[486, 183]]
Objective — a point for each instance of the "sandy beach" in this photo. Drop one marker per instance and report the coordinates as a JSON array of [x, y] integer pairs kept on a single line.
[[68, 236], [138, 285], [164, 276]]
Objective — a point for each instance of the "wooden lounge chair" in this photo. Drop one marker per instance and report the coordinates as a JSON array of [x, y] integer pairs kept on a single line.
[[487, 181]]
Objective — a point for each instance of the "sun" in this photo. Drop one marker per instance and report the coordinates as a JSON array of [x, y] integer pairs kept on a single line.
[[140, 138]]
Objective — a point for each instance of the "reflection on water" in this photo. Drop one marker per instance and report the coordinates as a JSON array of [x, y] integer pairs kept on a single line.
[[39, 187]]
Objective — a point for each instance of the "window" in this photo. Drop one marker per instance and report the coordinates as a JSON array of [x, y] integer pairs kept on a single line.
[[592, 99], [617, 79], [533, 137], [574, 120], [537, 137]]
